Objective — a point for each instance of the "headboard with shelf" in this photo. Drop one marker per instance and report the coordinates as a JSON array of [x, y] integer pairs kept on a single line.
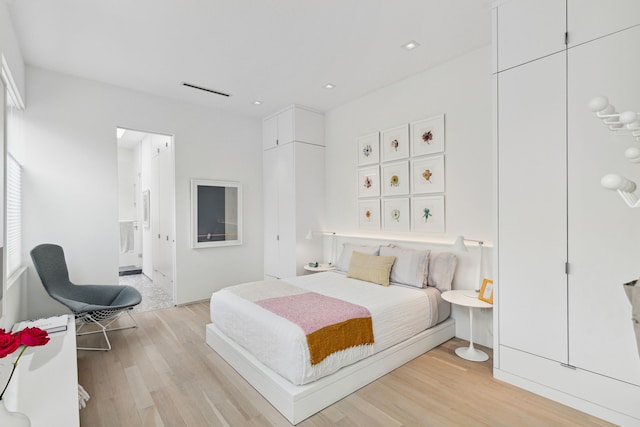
[[466, 270]]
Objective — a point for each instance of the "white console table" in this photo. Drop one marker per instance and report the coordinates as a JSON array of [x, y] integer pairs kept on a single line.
[[45, 385]]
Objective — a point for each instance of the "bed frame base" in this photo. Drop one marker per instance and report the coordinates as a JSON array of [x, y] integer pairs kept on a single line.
[[296, 403]]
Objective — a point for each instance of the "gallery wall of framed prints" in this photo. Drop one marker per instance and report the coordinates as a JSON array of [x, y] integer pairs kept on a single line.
[[401, 177]]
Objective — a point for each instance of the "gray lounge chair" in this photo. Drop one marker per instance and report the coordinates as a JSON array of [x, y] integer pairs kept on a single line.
[[91, 304]]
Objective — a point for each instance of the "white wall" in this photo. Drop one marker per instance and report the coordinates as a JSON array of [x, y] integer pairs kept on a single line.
[[10, 50], [71, 183], [461, 89]]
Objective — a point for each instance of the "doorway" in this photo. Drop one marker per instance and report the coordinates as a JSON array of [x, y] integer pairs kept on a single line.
[[146, 216]]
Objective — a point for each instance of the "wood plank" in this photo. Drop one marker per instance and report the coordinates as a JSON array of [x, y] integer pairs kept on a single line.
[[188, 384]]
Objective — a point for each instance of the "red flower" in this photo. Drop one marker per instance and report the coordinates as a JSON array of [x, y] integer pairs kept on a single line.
[[33, 337], [8, 343], [28, 337]]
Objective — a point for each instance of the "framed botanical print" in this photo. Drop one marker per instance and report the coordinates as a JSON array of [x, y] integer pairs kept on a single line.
[[369, 214], [427, 175], [395, 143], [427, 136], [427, 214], [369, 182], [369, 149], [395, 214], [395, 179]]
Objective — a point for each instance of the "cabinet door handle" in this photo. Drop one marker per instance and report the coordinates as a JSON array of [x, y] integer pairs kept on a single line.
[[277, 141]]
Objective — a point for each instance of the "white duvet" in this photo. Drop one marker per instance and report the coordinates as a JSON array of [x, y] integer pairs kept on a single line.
[[397, 313]]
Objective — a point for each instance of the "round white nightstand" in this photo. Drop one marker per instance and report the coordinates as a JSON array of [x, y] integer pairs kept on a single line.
[[319, 268], [468, 298]]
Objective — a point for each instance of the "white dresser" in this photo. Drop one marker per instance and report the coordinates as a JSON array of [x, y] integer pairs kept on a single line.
[[45, 385]]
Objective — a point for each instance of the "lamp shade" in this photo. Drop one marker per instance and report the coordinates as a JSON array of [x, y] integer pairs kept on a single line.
[[459, 245]]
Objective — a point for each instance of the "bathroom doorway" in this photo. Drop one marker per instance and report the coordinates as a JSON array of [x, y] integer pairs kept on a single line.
[[146, 216]]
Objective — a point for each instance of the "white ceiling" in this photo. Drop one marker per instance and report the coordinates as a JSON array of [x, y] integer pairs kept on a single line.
[[277, 51]]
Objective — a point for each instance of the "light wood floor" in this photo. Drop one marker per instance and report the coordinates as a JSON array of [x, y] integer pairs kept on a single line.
[[164, 374]]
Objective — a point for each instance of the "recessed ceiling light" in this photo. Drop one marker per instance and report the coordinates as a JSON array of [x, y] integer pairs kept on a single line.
[[410, 45], [257, 102], [329, 86]]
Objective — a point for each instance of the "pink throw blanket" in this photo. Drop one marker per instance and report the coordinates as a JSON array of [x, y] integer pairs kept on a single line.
[[329, 324]]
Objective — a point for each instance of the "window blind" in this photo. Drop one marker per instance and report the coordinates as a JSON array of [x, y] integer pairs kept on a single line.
[[14, 215]]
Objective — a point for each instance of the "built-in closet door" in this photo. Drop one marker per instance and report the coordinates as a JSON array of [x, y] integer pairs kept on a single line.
[[161, 198], [590, 19], [280, 212], [532, 214], [278, 129], [271, 224], [528, 30], [166, 216], [604, 233], [270, 133], [287, 209]]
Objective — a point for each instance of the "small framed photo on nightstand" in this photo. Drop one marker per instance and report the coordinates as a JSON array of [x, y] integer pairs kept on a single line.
[[486, 291]]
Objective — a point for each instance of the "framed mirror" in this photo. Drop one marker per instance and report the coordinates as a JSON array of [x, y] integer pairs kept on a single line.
[[216, 213]]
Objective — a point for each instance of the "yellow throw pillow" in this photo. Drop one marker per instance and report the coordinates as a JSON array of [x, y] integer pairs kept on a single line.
[[371, 268]]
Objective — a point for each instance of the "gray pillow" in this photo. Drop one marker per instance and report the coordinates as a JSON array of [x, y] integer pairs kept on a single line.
[[442, 267], [411, 266], [347, 250]]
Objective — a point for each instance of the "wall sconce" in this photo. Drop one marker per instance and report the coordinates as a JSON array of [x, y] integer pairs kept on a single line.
[[310, 234], [459, 246]]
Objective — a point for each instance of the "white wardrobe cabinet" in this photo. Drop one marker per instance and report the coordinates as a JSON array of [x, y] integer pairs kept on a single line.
[[532, 207], [277, 129], [566, 245], [528, 30], [294, 123], [293, 180], [590, 19], [293, 205]]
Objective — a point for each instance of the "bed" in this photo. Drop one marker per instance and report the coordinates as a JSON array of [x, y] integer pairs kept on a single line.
[[269, 333]]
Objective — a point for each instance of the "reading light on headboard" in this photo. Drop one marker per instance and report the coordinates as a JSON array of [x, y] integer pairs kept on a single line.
[[459, 246], [310, 234]]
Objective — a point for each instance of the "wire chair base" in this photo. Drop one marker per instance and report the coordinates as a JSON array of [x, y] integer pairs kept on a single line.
[[99, 318]]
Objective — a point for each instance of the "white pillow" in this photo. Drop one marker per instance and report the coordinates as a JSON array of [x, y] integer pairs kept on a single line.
[[411, 266], [347, 250], [442, 267]]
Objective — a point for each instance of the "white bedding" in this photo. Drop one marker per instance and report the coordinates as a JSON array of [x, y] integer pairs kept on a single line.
[[397, 314]]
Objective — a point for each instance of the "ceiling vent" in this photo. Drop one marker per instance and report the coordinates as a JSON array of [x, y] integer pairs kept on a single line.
[[205, 89]]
